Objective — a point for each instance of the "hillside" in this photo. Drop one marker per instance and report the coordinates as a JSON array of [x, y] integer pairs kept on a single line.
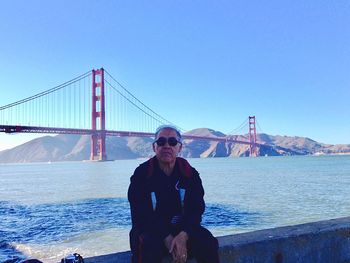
[[77, 148]]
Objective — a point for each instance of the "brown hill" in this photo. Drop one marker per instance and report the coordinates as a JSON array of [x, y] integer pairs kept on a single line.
[[77, 148]]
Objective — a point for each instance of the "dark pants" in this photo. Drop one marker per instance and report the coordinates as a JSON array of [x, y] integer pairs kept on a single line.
[[150, 248]]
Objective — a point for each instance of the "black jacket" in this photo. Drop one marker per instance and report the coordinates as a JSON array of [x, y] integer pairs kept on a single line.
[[148, 178]]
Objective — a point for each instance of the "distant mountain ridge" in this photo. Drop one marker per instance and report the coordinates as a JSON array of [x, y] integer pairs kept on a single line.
[[77, 147]]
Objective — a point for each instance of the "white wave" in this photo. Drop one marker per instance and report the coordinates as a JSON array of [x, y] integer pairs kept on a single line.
[[87, 245]]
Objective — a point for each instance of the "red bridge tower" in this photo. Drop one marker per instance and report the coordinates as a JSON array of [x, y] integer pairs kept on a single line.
[[98, 139], [252, 136]]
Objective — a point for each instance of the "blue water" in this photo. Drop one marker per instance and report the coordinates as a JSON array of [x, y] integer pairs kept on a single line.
[[49, 210]]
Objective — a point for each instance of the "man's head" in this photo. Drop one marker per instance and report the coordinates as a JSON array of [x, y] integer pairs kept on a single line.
[[167, 143]]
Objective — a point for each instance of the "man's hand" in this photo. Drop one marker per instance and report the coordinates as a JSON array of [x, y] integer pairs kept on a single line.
[[178, 247], [167, 241]]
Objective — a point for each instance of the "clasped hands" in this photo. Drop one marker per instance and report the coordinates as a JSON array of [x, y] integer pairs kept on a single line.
[[177, 246]]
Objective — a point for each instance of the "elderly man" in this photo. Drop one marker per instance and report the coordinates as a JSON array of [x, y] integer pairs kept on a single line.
[[166, 201]]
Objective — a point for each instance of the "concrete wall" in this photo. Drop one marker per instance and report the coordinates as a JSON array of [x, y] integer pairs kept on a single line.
[[319, 242]]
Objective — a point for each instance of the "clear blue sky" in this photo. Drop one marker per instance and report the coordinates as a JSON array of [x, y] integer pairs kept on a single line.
[[197, 63]]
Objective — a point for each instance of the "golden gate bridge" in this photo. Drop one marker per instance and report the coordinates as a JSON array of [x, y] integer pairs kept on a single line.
[[96, 104]]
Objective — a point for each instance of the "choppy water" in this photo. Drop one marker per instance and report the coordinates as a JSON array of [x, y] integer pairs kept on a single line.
[[50, 210]]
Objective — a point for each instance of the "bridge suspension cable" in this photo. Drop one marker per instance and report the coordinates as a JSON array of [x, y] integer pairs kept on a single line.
[[259, 128], [242, 127], [60, 106], [150, 118], [47, 91]]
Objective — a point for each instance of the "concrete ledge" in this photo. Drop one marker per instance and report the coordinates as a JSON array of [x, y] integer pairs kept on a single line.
[[319, 242]]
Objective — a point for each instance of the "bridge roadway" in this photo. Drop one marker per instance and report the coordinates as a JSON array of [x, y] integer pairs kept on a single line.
[[50, 130]]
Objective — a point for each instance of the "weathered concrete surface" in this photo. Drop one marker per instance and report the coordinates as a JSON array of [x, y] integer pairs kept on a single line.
[[319, 242]]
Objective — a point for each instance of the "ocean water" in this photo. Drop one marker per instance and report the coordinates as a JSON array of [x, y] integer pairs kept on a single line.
[[49, 210]]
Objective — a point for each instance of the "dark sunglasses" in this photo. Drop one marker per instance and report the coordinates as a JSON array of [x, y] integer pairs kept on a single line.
[[172, 141]]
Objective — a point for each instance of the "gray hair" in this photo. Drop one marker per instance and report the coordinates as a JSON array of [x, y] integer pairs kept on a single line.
[[168, 126]]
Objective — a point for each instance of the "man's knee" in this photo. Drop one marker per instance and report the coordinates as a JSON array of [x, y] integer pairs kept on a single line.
[[203, 236], [209, 244], [145, 247], [204, 243], [150, 242]]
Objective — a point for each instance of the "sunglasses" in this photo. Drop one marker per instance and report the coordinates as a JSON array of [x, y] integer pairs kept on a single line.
[[172, 141]]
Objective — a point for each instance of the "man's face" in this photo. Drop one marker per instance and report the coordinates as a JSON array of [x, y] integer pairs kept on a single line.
[[166, 153]]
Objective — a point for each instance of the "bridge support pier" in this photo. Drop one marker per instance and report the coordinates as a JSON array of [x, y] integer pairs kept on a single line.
[[98, 139]]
